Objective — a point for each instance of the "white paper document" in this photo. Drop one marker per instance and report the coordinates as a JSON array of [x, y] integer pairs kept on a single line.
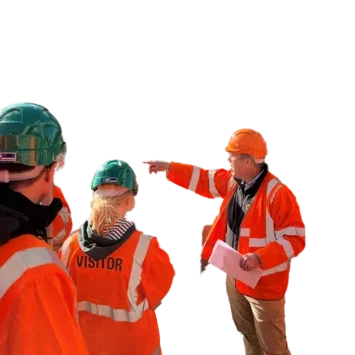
[[227, 259]]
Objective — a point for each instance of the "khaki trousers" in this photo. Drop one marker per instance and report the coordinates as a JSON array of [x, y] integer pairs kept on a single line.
[[262, 323]]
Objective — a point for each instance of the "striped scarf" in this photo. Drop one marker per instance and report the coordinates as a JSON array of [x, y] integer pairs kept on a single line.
[[120, 230]]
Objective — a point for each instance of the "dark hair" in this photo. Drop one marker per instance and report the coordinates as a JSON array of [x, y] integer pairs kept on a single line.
[[20, 168]]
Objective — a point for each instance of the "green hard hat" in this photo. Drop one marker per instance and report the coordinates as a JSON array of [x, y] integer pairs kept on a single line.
[[115, 172], [29, 135]]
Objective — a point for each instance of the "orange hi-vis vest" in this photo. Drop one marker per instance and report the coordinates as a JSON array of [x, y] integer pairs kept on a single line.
[[117, 295], [62, 224], [272, 227], [37, 301]]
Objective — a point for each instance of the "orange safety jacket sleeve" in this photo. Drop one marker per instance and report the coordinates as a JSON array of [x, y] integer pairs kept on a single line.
[[43, 320], [157, 274], [288, 230], [63, 223], [207, 183]]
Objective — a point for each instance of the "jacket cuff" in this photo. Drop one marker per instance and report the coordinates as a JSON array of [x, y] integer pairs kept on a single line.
[[260, 261], [170, 171]]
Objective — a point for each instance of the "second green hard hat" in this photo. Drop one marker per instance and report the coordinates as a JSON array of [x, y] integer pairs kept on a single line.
[[115, 172]]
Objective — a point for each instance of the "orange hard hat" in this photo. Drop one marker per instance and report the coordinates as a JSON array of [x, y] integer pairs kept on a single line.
[[247, 141]]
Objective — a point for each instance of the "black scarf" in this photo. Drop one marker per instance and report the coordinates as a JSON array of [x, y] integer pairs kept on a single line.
[[19, 215]]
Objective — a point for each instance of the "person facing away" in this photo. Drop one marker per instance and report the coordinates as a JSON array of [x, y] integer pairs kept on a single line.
[[259, 217], [121, 274], [37, 296]]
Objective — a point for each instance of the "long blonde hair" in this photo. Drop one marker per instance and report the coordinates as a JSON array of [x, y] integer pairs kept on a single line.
[[104, 212]]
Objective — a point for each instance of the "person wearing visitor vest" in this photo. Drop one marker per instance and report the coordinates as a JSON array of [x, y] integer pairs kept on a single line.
[[37, 296], [259, 217], [121, 274]]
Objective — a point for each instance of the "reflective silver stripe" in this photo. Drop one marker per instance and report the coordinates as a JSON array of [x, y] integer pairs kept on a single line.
[[270, 232], [212, 185], [244, 232], [136, 311], [22, 261], [117, 315], [60, 235], [194, 178], [64, 215], [287, 247], [291, 231], [271, 184], [271, 200], [272, 236], [65, 251], [278, 268], [257, 242], [284, 242], [261, 242]]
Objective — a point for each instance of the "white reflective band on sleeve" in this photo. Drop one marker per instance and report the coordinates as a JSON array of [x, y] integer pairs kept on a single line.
[[291, 231], [244, 232], [194, 178], [278, 268], [59, 236], [136, 311], [274, 193], [287, 247], [271, 184], [22, 261], [65, 215], [212, 185]]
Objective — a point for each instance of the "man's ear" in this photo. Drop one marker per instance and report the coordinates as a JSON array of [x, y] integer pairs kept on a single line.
[[50, 173]]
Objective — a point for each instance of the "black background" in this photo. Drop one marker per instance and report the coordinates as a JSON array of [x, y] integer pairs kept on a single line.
[[311, 144]]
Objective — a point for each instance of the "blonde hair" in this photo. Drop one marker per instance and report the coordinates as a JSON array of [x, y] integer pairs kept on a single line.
[[104, 212]]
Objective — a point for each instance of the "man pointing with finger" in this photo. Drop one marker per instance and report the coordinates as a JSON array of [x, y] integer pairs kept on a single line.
[[259, 217]]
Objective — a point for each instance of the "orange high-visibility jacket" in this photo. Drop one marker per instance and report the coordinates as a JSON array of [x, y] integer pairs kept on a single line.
[[117, 295], [272, 227], [63, 224], [37, 301]]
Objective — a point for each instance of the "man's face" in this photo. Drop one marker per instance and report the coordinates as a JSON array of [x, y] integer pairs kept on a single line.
[[239, 165]]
